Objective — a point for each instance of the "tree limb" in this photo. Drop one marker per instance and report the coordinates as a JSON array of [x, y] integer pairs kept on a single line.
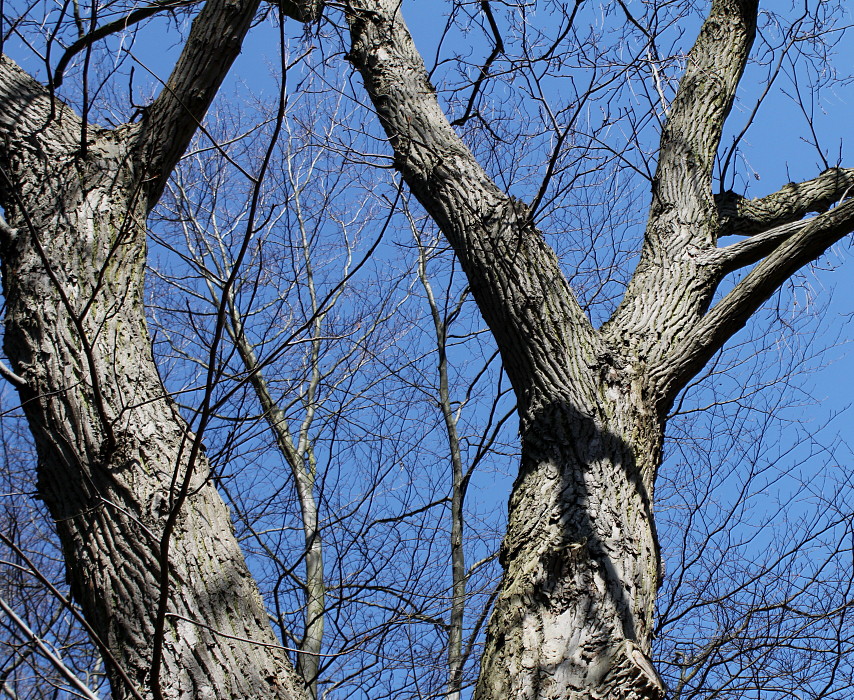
[[733, 311], [514, 276], [674, 283], [26, 107], [170, 122], [695, 123], [746, 217], [215, 41], [113, 27], [752, 250]]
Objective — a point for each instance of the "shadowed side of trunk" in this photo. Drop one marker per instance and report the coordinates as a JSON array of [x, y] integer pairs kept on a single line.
[[574, 613]]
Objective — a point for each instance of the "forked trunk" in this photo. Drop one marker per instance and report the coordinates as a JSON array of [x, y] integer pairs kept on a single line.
[[113, 450]]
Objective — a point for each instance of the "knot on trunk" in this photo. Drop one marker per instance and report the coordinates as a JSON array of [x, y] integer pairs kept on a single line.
[[304, 11]]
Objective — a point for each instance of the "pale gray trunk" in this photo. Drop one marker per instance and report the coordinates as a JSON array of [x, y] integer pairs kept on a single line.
[[300, 459], [456, 622]]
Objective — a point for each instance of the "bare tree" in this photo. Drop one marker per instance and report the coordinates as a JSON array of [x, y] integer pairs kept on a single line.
[[150, 548], [466, 451], [325, 367], [575, 614], [291, 340]]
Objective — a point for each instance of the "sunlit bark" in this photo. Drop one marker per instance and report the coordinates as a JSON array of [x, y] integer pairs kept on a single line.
[[151, 554]]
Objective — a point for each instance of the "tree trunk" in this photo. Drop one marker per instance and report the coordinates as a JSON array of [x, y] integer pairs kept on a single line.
[[575, 608], [574, 614], [113, 450]]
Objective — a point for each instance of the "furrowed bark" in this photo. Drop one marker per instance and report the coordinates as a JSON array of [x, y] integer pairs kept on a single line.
[[775, 219], [664, 315], [664, 318], [746, 217], [674, 281], [732, 312], [574, 613], [111, 444], [513, 274]]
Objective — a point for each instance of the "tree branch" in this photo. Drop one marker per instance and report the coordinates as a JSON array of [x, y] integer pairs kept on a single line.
[[171, 120], [692, 134], [674, 281], [514, 276], [215, 41], [497, 49], [733, 311], [752, 250], [746, 217], [32, 638], [113, 27]]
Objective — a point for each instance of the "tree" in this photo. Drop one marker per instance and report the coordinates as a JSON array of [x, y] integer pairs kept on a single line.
[[574, 617], [126, 482], [574, 614], [301, 337]]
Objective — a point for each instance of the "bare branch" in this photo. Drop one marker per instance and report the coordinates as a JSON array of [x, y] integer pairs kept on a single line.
[[752, 250], [113, 27], [43, 648], [733, 311], [746, 217], [498, 48]]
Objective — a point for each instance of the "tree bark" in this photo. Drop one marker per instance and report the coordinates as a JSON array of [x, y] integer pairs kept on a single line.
[[575, 609], [113, 449]]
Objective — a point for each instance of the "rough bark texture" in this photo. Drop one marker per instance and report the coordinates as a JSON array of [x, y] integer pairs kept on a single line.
[[575, 608], [574, 615], [113, 450]]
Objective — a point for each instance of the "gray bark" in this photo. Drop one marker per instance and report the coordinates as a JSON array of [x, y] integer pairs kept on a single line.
[[575, 608], [298, 457], [116, 460], [574, 615]]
